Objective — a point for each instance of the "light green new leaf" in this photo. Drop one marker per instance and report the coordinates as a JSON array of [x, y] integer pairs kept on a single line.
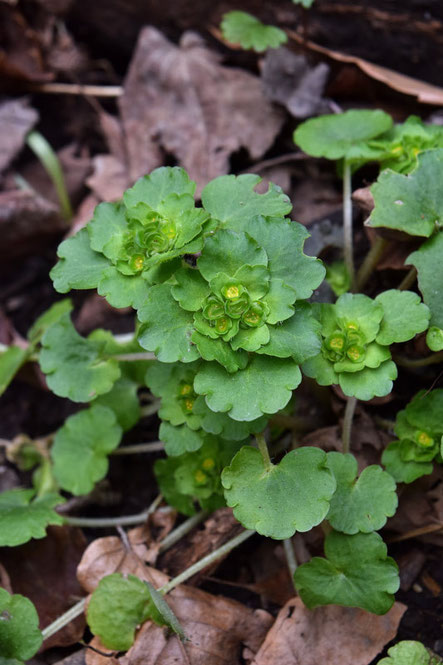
[[154, 188], [228, 251], [119, 604], [283, 241], [369, 383], [191, 290], [75, 367], [404, 316], [340, 135], [22, 518], [361, 310], [425, 411], [429, 264], [224, 426], [81, 448], [291, 496], [107, 230], [123, 401], [409, 652], [401, 471], [356, 573], [411, 203], [168, 328], [265, 386], [10, 362], [244, 29], [362, 504], [79, 267], [233, 201], [434, 338], [122, 290], [297, 338], [48, 318], [164, 470], [221, 351], [181, 439], [20, 637]]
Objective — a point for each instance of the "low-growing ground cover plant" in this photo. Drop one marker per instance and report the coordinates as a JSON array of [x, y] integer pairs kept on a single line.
[[224, 330]]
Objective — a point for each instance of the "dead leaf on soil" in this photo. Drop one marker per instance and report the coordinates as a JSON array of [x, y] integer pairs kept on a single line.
[[179, 100], [44, 571], [329, 634], [109, 178], [17, 118]]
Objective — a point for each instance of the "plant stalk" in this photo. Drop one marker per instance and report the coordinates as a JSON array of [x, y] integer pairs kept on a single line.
[[347, 222], [372, 258], [351, 403], [105, 522], [408, 280], [64, 619], [419, 362], [290, 556], [137, 448], [263, 448]]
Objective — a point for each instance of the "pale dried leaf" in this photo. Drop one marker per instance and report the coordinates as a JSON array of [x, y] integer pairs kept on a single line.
[[16, 120], [109, 178], [331, 634]]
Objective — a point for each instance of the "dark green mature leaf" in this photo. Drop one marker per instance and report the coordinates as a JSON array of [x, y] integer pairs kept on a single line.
[[297, 338], [228, 251], [124, 402], [401, 471], [341, 135], [81, 448], [291, 496], [20, 637], [222, 425], [233, 202], [362, 504], [10, 362], [244, 29], [75, 366], [425, 411], [168, 328], [22, 518], [181, 439], [404, 316], [411, 203], [429, 264], [263, 387], [219, 350], [79, 266], [120, 604], [356, 573], [409, 652]]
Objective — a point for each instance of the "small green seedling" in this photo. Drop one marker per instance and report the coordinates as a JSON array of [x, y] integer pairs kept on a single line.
[[410, 652], [244, 29], [419, 428]]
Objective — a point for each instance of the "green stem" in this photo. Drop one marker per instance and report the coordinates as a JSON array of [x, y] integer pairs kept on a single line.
[[182, 530], [206, 561], [347, 424], [372, 258], [137, 448], [419, 362], [51, 163], [290, 556], [263, 448], [64, 619], [347, 222], [104, 522], [408, 280]]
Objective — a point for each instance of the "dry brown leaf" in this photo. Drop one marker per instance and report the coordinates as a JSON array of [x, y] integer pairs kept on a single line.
[[182, 102], [329, 634], [16, 120], [109, 178]]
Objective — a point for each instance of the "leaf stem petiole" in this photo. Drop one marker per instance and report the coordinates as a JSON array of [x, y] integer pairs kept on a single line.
[[263, 448], [351, 403], [419, 362], [372, 258]]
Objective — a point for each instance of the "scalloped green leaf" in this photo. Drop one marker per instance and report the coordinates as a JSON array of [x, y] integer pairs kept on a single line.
[[23, 518], [166, 380], [265, 386], [79, 267], [164, 470], [224, 426], [10, 362], [48, 318], [283, 241], [107, 230], [221, 351], [228, 251], [181, 439], [410, 203], [168, 328], [404, 316], [81, 448], [75, 367], [122, 399], [244, 29], [320, 369], [233, 201], [425, 410], [277, 501], [369, 383], [362, 310], [191, 289], [297, 338], [360, 504], [401, 471], [120, 604], [154, 188], [355, 573], [409, 652], [429, 266], [341, 135], [20, 637]]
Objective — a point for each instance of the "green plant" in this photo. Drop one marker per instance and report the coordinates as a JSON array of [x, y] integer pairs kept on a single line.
[[242, 28], [410, 652]]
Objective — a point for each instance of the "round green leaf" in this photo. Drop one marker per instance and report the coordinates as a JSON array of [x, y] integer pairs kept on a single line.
[[404, 316], [179, 440], [244, 29], [356, 573], [425, 410], [22, 518], [228, 251], [81, 448], [291, 496], [409, 652], [339, 135], [403, 472], [297, 338], [264, 386], [362, 504], [154, 188], [369, 383], [221, 351], [79, 267], [122, 399], [20, 637], [434, 338]]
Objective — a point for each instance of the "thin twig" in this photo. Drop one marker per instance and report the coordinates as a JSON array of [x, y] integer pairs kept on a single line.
[[78, 89], [414, 533]]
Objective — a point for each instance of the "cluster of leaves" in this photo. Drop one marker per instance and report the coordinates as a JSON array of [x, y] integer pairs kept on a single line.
[[419, 428], [410, 652]]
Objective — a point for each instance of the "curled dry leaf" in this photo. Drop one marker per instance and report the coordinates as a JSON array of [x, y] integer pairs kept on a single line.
[[179, 100], [329, 634], [16, 120]]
